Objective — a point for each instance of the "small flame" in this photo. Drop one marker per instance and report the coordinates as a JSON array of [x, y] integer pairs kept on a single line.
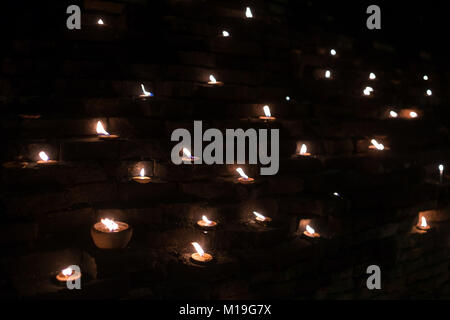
[[303, 149], [372, 76], [310, 230], [248, 12], [142, 173], [413, 114], [393, 114], [288, 98], [423, 224], [198, 248], [101, 130], [368, 91], [429, 92], [110, 224], [328, 74], [145, 92], [67, 272], [212, 79], [377, 145], [267, 111], [259, 216], [425, 77], [441, 168], [43, 156], [206, 220], [187, 153], [225, 33], [100, 21], [242, 173], [333, 52]]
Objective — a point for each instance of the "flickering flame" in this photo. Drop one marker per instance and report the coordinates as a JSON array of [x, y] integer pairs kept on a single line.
[[145, 92], [43, 156], [288, 98], [110, 224], [225, 33], [67, 272], [413, 114], [425, 77], [259, 216], [187, 153], [198, 249], [372, 76], [303, 149], [327, 74], [393, 114], [441, 168], [267, 111], [336, 194], [212, 79], [429, 92], [377, 145], [310, 230], [423, 224], [333, 52], [368, 91], [142, 173], [248, 12], [241, 172], [101, 130], [100, 21], [206, 220]]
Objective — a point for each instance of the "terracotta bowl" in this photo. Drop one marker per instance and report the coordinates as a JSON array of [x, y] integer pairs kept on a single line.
[[111, 240]]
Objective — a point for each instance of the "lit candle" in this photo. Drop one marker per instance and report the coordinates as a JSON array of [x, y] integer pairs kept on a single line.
[[213, 81], [413, 114], [200, 255], [429, 93], [68, 274], [187, 156], [100, 22], [441, 173], [244, 179], [145, 93], [268, 115], [328, 74], [393, 114], [260, 218], [368, 91], [45, 159], [142, 178], [336, 194], [225, 33], [103, 134], [303, 151], [110, 234], [288, 98], [310, 232], [206, 223], [425, 77], [376, 145], [248, 13], [423, 225], [333, 52], [372, 76]]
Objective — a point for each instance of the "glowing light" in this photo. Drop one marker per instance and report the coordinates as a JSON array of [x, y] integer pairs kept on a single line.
[[206, 220], [145, 92], [328, 74], [336, 194], [242, 173], [100, 21], [110, 224], [377, 145], [142, 172], [393, 114], [372, 76], [367, 91], [288, 98], [424, 223], [259, 216], [267, 111], [212, 79], [187, 153], [310, 230], [43, 156], [429, 92], [413, 114], [198, 248], [225, 33], [425, 77], [67, 272], [248, 13], [101, 130], [441, 168], [333, 52]]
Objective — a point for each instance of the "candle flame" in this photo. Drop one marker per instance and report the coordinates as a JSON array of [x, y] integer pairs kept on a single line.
[[100, 21], [333, 52], [259, 216], [413, 114], [225, 33], [43, 156], [429, 92], [248, 12], [67, 272], [372, 76], [198, 248], [441, 168], [367, 91], [187, 153], [303, 149], [327, 74], [142, 173], [425, 77], [377, 145], [110, 224], [145, 92], [212, 79], [393, 114], [242, 173], [423, 224], [310, 230], [267, 111], [206, 220], [101, 130]]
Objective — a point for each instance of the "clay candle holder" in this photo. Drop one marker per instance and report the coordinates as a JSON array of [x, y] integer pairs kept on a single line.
[[261, 219], [68, 274], [30, 116], [244, 179], [142, 178], [213, 82], [103, 134], [145, 94], [200, 256], [268, 115], [187, 156], [310, 232], [423, 225], [45, 159], [109, 234], [205, 223]]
